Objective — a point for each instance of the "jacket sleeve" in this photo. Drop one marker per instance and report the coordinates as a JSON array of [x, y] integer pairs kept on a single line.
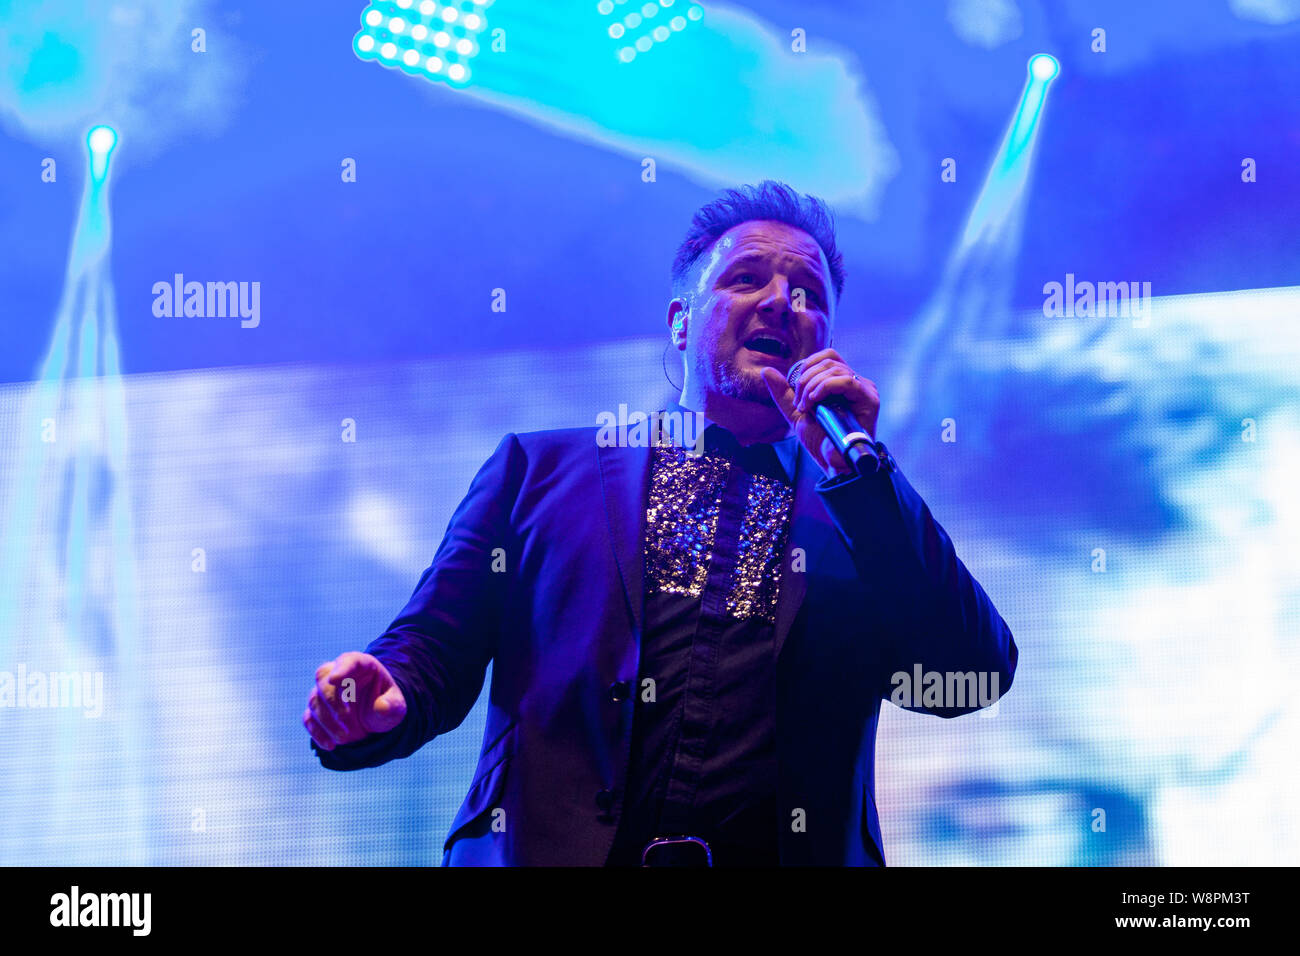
[[933, 614], [439, 646]]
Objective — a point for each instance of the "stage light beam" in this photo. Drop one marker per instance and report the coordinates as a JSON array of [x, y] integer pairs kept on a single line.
[[1043, 68], [972, 301], [100, 140], [68, 519]]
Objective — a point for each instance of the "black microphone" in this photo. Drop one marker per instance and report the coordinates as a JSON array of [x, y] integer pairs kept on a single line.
[[851, 439]]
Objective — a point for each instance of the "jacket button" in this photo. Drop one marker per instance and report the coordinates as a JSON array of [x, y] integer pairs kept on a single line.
[[620, 690], [605, 800]]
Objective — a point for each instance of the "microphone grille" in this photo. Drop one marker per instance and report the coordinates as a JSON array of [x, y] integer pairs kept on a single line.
[[795, 371]]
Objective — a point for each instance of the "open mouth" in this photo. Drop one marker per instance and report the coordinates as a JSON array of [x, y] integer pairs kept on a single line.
[[769, 345]]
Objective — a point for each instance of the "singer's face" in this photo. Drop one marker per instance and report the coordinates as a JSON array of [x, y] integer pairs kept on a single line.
[[761, 296]]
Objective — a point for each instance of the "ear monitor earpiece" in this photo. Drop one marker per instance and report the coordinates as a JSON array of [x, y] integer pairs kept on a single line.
[[679, 320]]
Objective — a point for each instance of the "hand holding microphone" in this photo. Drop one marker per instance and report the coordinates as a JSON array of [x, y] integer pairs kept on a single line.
[[832, 410]]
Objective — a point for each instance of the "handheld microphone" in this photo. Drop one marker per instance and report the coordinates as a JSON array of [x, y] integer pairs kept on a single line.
[[850, 438]]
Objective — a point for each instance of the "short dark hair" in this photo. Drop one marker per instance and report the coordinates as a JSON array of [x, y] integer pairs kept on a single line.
[[768, 200]]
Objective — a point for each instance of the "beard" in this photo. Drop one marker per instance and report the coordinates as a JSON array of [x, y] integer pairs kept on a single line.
[[746, 385]]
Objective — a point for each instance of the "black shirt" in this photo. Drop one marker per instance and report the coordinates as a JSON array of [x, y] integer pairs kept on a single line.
[[703, 742]]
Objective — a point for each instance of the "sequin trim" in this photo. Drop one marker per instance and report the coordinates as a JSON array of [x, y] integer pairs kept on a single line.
[[682, 519], [757, 579]]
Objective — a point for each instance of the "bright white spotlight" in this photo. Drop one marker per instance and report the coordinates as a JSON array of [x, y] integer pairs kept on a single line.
[[1043, 66], [102, 139]]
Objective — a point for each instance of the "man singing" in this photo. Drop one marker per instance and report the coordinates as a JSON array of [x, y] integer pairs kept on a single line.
[[689, 650]]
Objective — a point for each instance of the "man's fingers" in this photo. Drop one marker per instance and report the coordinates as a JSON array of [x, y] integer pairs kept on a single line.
[[327, 690], [316, 731], [325, 716], [334, 686], [810, 385], [811, 371], [781, 393], [831, 383], [334, 711], [389, 710], [341, 707], [346, 665]]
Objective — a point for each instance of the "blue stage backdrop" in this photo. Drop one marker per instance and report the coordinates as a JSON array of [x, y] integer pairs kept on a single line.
[[1070, 235]]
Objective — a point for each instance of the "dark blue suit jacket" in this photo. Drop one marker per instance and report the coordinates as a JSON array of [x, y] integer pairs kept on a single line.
[[882, 590]]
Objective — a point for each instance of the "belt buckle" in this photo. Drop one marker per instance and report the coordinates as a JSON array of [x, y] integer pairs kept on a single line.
[[681, 850]]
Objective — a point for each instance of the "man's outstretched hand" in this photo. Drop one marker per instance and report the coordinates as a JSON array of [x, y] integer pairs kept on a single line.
[[354, 697]]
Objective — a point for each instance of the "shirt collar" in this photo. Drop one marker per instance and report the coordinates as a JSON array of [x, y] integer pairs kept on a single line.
[[787, 448]]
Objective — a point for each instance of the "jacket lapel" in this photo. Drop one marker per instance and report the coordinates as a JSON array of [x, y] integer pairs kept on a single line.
[[624, 482], [810, 531]]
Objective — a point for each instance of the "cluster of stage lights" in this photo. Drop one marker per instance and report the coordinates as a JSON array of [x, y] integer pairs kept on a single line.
[[647, 15], [422, 37]]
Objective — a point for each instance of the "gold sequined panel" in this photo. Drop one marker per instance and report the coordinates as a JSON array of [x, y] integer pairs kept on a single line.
[[762, 538], [682, 518]]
